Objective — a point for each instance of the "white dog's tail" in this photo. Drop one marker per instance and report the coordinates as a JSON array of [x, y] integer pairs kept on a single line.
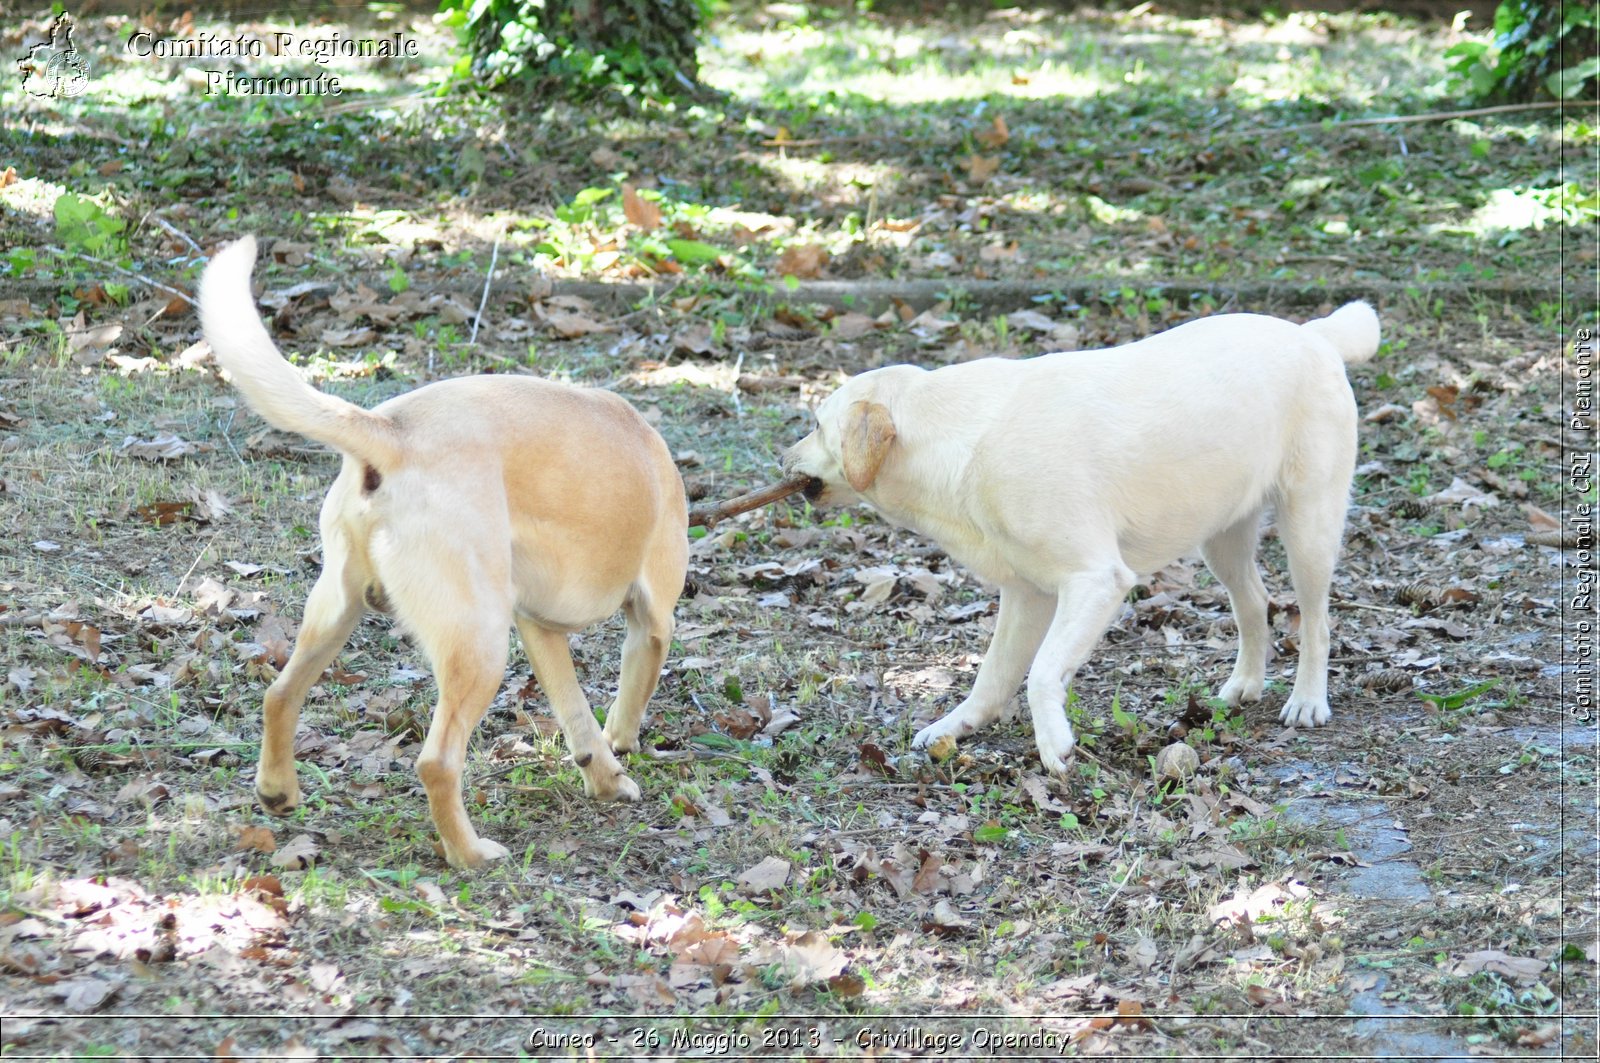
[[1352, 329], [273, 387]]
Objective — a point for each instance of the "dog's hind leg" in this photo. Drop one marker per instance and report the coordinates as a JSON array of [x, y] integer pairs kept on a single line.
[[1311, 524], [1231, 556], [603, 775], [468, 651], [644, 651], [332, 611], [1086, 605], [1025, 614]]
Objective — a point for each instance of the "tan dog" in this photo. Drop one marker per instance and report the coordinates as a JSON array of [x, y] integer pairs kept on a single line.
[[1060, 478], [464, 507]]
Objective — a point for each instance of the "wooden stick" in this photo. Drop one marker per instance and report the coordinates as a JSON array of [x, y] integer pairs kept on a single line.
[[494, 256], [1401, 119], [706, 516], [125, 272]]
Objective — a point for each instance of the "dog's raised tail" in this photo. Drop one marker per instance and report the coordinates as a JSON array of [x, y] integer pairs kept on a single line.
[[274, 388], [1353, 331]]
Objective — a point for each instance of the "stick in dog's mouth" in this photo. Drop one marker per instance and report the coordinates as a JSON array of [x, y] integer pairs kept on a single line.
[[708, 515]]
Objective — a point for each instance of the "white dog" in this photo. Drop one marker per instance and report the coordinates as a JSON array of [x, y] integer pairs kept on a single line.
[[1062, 478]]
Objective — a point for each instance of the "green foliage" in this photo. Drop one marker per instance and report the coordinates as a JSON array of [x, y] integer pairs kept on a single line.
[[1459, 698], [580, 48], [1538, 48], [84, 227]]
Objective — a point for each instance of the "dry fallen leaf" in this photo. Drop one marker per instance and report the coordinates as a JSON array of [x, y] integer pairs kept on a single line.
[[694, 339], [805, 261], [273, 640], [94, 337], [86, 994], [569, 324], [1539, 1037], [996, 135], [981, 167], [1002, 252], [1521, 968], [297, 853], [847, 985], [1038, 791], [1131, 1013], [641, 212], [1539, 520], [257, 839], [945, 920], [164, 447], [1031, 319], [805, 960], [851, 326], [348, 337], [161, 514], [770, 874]]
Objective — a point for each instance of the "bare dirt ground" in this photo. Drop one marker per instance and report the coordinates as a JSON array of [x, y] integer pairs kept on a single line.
[[1416, 879]]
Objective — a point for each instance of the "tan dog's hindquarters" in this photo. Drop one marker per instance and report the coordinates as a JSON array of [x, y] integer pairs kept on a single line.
[[1063, 478], [464, 508]]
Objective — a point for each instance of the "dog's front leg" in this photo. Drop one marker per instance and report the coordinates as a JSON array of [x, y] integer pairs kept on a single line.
[[1024, 615], [603, 775], [1087, 604]]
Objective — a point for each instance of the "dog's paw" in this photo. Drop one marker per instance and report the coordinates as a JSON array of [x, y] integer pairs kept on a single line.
[[627, 790], [1237, 690], [604, 780], [1304, 712], [620, 744], [617, 788], [1056, 755], [482, 851], [952, 725], [276, 796]]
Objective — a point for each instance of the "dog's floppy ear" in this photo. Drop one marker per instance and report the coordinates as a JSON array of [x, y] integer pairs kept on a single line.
[[868, 431]]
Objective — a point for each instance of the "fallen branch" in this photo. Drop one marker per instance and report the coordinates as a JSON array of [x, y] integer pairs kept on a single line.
[[1439, 116], [1402, 119], [185, 296], [706, 516], [820, 142], [151, 215], [494, 256]]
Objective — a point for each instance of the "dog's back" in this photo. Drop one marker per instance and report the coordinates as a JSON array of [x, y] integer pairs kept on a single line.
[[1180, 434]]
